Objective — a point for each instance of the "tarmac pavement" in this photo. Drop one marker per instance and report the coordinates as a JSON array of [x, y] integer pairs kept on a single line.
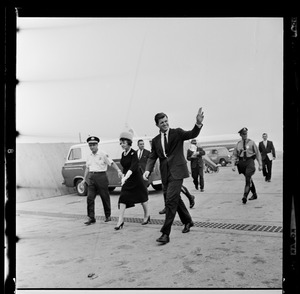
[[232, 245]]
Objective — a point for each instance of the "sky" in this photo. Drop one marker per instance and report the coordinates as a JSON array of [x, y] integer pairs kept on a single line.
[[99, 76]]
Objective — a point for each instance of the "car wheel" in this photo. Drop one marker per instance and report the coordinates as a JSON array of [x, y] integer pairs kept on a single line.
[[157, 187], [81, 191], [110, 189], [223, 162]]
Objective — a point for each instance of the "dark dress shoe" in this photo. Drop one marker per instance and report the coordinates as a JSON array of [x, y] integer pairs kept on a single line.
[[244, 199], [192, 202], [147, 221], [90, 221], [163, 211], [202, 190], [254, 196], [187, 227], [108, 219], [119, 227], [163, 239]]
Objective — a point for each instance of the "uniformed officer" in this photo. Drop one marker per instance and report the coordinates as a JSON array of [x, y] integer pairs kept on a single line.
[[244, 154], [95, 175]]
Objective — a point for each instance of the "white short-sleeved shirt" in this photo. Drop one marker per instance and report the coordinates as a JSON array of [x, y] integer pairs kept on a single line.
[[98, 162]]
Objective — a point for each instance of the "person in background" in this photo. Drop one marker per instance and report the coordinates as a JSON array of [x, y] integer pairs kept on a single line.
[[187, 193], [95, 175], [267, 151], [133, 189], [142, 155], [168, 147], [243, 156], [194, 155]]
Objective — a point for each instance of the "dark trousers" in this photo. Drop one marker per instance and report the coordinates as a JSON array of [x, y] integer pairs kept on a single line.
[[173, 204], [98, 185], [186, 192], [198, 177], [267, 168]]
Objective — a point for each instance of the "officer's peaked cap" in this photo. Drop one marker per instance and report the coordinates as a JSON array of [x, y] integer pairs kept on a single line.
[[243, 131], [93, 139]]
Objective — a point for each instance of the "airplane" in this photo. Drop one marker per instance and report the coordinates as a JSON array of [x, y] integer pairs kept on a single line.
[[227, 140]]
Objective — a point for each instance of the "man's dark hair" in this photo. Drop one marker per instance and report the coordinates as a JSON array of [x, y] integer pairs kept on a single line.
[[140, 140], [159, 116]]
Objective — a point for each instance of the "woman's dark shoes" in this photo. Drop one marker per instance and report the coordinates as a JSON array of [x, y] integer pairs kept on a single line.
[[90, 221], [120, 226], [147, 221], [187, 227], [163, 239], [244, 199]]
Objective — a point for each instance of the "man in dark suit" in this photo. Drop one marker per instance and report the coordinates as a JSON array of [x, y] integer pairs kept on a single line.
[[194, 155], [168, 147], [267, 151], [142, 154]]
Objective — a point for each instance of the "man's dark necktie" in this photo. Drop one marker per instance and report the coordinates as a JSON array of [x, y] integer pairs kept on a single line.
[[140, 154], [166, 144], [244, 144]]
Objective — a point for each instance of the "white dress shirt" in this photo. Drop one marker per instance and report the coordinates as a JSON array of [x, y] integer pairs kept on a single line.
[[162, 138]]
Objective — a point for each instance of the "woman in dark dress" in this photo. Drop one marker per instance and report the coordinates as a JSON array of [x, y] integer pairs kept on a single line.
[[133, 188]]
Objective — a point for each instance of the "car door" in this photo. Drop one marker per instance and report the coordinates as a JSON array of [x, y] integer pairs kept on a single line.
[[74, 166]]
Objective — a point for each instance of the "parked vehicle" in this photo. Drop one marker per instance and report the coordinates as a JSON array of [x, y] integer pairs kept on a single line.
[[219, 155], [75, 164]]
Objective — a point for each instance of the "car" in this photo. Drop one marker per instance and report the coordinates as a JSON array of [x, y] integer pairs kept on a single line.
[[219, 155], [75, 164]]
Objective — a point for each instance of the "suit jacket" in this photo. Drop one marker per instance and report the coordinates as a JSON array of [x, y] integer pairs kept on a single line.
[[264, 150], [195, 161], [143, 159], [175, 162]]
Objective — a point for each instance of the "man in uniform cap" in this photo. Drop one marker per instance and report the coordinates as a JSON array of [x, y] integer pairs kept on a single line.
[[95, 172], [244, 154]]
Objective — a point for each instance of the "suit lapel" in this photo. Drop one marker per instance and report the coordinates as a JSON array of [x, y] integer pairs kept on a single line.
[[160, 149], [170, 139]]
